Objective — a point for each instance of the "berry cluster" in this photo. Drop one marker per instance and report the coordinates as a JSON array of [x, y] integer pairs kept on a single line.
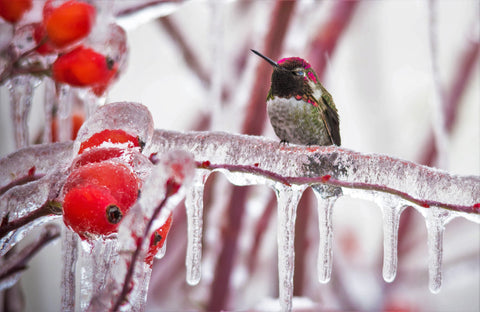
[[103, 186], [62, 32]]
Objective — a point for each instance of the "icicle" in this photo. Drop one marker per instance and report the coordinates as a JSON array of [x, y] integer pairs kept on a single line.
[[325, 203], [391, 220], [69, 251], [287, 201], [65, 99], [161, 252], [436, 219], [49, 100], [97, 257], [194, 206], [21, 93]]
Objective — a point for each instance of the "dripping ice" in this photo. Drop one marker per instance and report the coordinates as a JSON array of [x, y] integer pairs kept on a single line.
[[391, 206]]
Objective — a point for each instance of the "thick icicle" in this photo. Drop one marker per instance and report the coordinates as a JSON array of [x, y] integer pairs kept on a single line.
[[194, 207], [287, 201], [21, 93], [436, 219], [391, 210], [325, 203], [97, 257], [69, 252]]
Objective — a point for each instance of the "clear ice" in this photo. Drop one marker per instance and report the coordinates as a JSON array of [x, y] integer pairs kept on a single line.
[[194, 207]]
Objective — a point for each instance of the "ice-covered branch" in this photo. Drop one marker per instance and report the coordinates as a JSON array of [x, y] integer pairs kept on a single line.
[[266, 161], [15, 264], [49, 208]]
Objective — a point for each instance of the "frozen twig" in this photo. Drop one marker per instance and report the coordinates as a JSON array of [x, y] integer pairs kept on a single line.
[[327, 179], [129, 276], [465, 68], [420, 185], [18, 262], [133, 7], [438, 101], [49, 208]]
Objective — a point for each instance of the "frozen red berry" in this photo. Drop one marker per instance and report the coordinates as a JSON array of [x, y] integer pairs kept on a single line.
[[13, 10], [41, 39], [114, 136], [68, 23], [83, 67], [98, 155], [121, 182], [77, 121], [91, 209], [158, 239]]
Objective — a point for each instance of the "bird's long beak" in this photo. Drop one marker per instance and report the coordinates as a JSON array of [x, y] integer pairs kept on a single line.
[[270, 61]]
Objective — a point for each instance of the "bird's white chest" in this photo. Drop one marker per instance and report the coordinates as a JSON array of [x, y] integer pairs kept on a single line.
[[297, 121]]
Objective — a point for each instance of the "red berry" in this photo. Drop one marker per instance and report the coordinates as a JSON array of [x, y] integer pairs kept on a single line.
[[115, 136], [13, 10], [40, 37], [158, 239], [98, 155], [69, 22], [118, 179], [83, 67], [92, 209], [77, 121]]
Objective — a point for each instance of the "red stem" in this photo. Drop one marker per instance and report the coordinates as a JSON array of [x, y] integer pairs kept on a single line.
[[426, 203], [454, 95], [187, 51], [20, 181], [327, 38]]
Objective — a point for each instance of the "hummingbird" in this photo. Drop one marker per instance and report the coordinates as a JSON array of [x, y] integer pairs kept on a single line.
[[300, 109]]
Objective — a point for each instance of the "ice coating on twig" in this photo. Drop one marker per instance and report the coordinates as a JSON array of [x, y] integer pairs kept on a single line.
[[131, 14], [37, 160], [194, 208], [287, 201], [15, 263], [348, 169], [436, 219], [133, 118], [21, 202]]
